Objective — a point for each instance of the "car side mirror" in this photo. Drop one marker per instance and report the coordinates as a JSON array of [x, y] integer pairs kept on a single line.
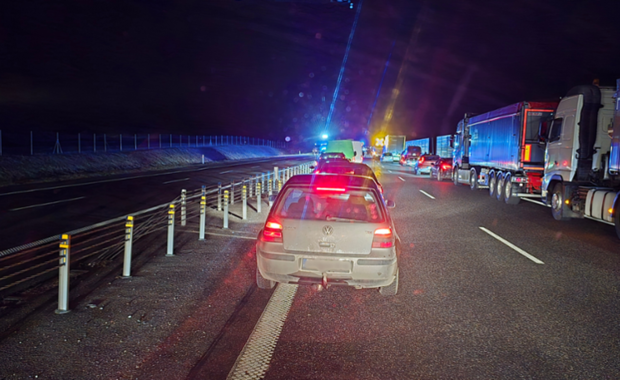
[[390, 204]]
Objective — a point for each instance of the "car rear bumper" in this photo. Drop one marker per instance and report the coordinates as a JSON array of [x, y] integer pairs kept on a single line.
[[360, 272]]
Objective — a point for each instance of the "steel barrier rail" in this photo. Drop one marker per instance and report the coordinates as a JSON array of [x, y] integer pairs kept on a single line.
[[37, 260]]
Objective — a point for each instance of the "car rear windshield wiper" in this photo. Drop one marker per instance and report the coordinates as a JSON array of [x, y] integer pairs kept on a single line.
[[337, 219]]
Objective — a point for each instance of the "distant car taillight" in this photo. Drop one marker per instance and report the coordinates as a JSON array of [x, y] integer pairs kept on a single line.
[[272, 232], [383, 238], [421, 160], [445, 166]]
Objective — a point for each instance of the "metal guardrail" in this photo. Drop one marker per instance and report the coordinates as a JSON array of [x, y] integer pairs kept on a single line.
[[95, 245]]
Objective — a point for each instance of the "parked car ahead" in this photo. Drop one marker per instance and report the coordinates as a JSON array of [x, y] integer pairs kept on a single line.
[[347, 168], [442, 169], [329, 229], [424, 163], [408, 159]]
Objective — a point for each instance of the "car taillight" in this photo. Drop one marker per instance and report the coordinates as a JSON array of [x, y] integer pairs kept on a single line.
[[445, 167], [272, 232], [383, 238], [421, 160]]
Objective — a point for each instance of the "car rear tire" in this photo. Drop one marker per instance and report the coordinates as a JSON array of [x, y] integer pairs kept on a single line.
[[391, 289], [455, 175], [262, 282], [438, 174], [617, 218]]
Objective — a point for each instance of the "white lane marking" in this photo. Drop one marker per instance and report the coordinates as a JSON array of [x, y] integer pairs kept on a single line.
[[389, 171], [228, 236], [227, 171], [534, 201], [254, 359], [46, 204], [401, 178], [427, 194], [176, 180], [534, 259]]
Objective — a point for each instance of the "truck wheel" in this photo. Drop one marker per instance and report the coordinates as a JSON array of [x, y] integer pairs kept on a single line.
[[558, 208], [262, 282], [391, 289], [499, 192], [455, 175], [473, 179], [492, 184], [509, 197]]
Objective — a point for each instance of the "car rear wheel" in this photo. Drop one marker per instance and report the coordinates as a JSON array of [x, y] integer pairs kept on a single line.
[[438, 174], [262, 282], [391, 289]]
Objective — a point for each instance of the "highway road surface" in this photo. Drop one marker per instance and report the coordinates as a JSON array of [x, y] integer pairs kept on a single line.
[[487, 291]]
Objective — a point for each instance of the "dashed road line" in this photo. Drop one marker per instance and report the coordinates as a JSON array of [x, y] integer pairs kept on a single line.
[[534, 259], [427, 194], [401, 178], [176, 180], [254, 359], [227, 171], [46, 204]]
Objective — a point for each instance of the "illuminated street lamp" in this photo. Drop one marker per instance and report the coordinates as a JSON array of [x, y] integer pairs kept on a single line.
[[324, 136]]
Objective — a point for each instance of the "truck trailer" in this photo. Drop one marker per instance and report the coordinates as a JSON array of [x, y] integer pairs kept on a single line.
[[582, 159], [394, 144], [500, 151]]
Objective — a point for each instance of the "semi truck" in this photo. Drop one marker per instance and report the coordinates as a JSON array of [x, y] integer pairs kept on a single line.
[[500, 151], [394, 144], [582, 158]]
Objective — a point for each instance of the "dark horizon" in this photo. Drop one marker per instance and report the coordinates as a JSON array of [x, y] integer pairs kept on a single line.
[[268, 69]]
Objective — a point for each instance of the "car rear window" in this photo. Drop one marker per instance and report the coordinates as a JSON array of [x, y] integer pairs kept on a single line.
[[309, 203]]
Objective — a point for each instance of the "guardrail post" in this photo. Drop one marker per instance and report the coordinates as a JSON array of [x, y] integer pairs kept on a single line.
[[250, 187], [128, 245], [203, 205], [244, 198], [269, 193], [170, 250], [258, 197], [183, 207], [219, 196], [262, 180], [232, 193], [63, 274], [225, 209]]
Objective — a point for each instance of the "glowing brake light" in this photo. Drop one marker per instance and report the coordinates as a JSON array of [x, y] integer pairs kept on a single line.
[[421, 160], [272, 232], [333, 189], [383, 238], [445, 166], [527, 156]]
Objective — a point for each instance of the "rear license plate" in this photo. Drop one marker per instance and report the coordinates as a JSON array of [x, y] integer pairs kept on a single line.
[[327, 265]]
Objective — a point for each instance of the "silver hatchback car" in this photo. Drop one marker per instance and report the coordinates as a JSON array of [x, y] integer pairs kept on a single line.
[[329, 229]]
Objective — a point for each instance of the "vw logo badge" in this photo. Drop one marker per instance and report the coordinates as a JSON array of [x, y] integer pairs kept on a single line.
[[327, 230]]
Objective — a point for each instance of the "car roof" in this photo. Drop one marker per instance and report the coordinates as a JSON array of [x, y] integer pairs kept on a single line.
[[329, 179]]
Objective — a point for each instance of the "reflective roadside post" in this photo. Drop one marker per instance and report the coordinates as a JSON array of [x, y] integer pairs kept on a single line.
[[170, 250], [225, 209], [128, 244], [183, 208], [276, 174], [244, 203], [258, 197], [269, 193], [250, 187], [232, 193], [203, 206], [63, 274], [219, 196]]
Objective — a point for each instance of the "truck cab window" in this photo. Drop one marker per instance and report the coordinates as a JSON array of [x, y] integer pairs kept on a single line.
[[556, 130]]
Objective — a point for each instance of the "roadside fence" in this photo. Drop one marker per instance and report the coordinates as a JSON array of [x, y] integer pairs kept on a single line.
[[79, 251], [39, 143]]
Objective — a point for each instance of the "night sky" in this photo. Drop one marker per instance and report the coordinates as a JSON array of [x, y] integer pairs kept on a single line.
[[268, 69]]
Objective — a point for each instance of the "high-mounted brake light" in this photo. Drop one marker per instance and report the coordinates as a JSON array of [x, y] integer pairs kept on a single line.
[[334, 189]]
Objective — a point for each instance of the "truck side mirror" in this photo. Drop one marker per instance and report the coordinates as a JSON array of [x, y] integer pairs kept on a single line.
[[451, 141]]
